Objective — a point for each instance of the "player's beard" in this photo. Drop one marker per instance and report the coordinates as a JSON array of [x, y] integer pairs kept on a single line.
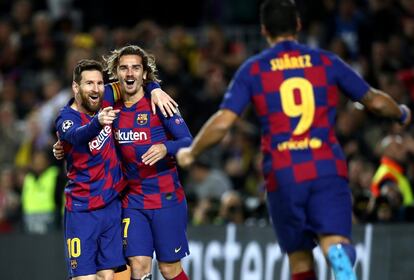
[[91, 106]]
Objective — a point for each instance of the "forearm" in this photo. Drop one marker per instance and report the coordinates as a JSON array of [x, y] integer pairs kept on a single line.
[[211, 133], [174, 145], [380, 103], [84, 133]]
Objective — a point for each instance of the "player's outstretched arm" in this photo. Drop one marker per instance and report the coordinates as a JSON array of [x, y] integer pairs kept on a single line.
[[383, 105], [161, 99], [210, 134]]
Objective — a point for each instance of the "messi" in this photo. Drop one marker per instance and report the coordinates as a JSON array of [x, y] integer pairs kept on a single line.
[[130, 136]]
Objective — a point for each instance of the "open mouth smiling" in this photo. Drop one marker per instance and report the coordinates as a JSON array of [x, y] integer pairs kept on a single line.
[[129, 82]]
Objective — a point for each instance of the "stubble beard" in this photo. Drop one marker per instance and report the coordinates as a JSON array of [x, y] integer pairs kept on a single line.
[[90, 108]]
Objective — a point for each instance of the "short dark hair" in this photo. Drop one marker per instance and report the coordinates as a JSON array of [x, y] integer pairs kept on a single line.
[[279, 17], [85, 65]]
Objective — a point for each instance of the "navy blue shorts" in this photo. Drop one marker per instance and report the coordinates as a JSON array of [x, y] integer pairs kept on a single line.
[[161, 230], [93, 240], [301, 212]]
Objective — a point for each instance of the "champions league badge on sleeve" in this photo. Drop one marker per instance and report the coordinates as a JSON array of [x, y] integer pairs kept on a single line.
[[66, 125]]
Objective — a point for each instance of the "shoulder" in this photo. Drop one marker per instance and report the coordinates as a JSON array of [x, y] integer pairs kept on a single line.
[[115, 86], [112, 91]]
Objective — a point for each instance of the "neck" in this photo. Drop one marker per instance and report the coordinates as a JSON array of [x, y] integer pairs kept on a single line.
[[278, 39], [130, 100]]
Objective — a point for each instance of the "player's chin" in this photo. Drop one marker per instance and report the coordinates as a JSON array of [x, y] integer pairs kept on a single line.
[[94, 106]]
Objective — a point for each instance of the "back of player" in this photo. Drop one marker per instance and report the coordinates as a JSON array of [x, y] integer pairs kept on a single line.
[[294, 91]]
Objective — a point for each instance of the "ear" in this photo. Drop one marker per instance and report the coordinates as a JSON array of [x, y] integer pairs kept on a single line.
[[144, 76], [298, 24], [75, 87], [263, 30]]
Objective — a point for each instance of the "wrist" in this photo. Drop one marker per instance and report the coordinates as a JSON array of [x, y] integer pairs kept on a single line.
[[149, 87]]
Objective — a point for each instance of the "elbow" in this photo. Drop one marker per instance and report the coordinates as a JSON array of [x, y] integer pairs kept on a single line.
[[377, 106], [377, 101]]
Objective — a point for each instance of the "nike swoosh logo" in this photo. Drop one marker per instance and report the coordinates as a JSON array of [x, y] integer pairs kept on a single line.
[[176, 250]]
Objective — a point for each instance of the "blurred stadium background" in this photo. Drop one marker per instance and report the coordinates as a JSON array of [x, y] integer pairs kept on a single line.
[[198, 46]]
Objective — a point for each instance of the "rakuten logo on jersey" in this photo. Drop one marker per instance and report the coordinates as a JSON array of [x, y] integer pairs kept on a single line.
[[130, 136], [99, 141]]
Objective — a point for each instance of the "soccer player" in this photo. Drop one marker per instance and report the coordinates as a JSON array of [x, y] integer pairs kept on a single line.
[[155, 209], [95, 177], [294, 90], [92, 212]]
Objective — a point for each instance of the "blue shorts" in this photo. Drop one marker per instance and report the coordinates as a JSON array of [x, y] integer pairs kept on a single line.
[[300, 212], [93, 240], [161, 230]]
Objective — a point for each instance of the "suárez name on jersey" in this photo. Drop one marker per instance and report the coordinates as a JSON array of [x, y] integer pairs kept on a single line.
[[130, 136], [99, 141]]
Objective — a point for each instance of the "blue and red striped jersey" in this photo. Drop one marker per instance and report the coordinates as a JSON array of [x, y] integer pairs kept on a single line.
[[136, 130], [93, 169], [295, 90]]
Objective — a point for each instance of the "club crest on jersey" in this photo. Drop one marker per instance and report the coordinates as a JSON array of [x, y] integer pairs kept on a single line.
[[142, 119], [73, 264]]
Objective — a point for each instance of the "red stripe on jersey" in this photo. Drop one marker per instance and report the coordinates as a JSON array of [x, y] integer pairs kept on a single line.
[[325, 60], [180, 194], [81, 189], [321, 118], [69, 202], [279, 123], [271, 81], [260, 103], [152, 201], [304, 171], [146, 171], [166, 183], [128, 149], [333, 96], [109, 178], [332, 136], [281, 159], [323, 152], [95, 201], [316, 75], [255, 69], [135, 186], [342, 168], [271, 183], [154, 122]]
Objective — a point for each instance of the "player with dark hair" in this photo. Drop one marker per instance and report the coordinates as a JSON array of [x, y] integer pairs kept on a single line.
[[295, 90], [155, 209], [92, 213]]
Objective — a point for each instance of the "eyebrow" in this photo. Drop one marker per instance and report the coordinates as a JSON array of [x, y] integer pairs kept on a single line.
[[126, 65]]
